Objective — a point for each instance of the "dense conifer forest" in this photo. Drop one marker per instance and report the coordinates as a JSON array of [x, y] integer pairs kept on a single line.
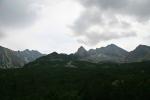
[[82, 81]]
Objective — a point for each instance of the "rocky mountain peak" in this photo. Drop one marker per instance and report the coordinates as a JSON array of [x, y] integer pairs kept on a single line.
[[141, 53], [81, 49], [142, 47], [82, 52], [112, 46], [14, 59], [54, 53], [26, 50]]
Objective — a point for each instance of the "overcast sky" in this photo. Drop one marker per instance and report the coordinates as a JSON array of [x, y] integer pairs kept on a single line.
[[64, 25]]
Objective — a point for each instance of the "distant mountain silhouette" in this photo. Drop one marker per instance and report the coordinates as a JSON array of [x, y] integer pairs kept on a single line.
[[15, 59], [110, 53], [54, 57], [29, 55], [141, 53], [82, 52], [113, 53]]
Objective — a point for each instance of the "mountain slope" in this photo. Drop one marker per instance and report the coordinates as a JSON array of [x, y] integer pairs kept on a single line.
[[10, 59], [112, 50], [113, 53], [29, 55], [110, 53], [141, 53], [15, 59], [81, 52]]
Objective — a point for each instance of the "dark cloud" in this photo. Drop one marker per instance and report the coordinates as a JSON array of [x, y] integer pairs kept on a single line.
[[17, 13], [137, 8], [114, 19], [109, 4], [86, 20]]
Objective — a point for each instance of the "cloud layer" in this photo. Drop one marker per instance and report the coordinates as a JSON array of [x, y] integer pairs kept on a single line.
[[17, 13], [104, 20], [137, 8]]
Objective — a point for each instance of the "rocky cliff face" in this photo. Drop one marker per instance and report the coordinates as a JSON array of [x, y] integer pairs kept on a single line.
[[113, 53], [29, 55], [110, 53], [15, 59], [82, 52]]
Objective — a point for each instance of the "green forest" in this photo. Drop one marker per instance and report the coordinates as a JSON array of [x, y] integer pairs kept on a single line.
[[46, 80]]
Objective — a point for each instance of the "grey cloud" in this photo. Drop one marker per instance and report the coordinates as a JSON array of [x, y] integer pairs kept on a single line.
[[1, 34], [104, 14], [125, 25], [104, 3], [17, 13], [138, 8], [86, 20], [94, 17]]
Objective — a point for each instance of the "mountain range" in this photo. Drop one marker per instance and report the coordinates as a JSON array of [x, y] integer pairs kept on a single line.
[[113, 53], [110, 53], [106, 73], [15, 59]]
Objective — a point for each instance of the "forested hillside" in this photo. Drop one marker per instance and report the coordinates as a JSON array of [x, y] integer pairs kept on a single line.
[[76, 80]]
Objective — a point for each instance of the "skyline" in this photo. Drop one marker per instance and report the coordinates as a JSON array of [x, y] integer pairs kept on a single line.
[[76, 49], [65, 25]]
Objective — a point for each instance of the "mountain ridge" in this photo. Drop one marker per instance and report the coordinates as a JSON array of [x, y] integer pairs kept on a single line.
[[140, 53], [111, 53], [108, 53], [16, 59]]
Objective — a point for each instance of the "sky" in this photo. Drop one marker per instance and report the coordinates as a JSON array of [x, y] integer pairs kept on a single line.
[[64, 25]]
